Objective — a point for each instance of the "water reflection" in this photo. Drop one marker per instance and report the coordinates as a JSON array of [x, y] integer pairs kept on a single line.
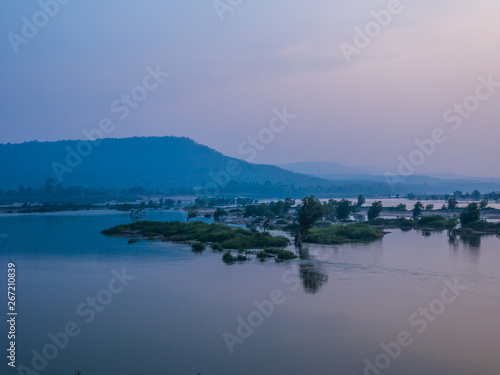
[[471, 240], [426, 233], [310, 272], [312, 277], [471, 244]]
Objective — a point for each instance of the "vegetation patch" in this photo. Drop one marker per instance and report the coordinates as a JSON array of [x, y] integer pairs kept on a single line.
[[330, 234], [480, 226], [198, 247], [217, 246], [227, 237], [229, 258]]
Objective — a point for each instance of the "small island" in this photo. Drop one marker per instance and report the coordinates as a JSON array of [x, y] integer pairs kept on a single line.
[[198, 234]]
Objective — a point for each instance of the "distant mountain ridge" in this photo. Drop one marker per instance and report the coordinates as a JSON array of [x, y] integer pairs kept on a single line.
[[323, 168], [181, 164], [149, 162]]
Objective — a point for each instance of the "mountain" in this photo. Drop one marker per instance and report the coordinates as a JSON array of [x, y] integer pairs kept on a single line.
[[150, 162], [323, 168], [422, 184], [182, 165]]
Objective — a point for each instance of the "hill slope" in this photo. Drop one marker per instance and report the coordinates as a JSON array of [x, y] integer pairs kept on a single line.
[[149, 162]]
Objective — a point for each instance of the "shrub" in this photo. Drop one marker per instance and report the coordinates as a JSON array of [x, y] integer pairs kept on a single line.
[[217, 246], [262, 255], [229, 258], [198, 247]]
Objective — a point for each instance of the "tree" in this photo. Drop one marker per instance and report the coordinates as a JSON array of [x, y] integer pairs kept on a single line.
[[452, 204], [452, 225], [375, 210], [361, 201], [330, 209], [219, 214], [401, 207], [308, 213], [429, 207], [483, 204], [476, 195], [470, 214], [289, 203], [344, 209], [192, 213], [417, 210]]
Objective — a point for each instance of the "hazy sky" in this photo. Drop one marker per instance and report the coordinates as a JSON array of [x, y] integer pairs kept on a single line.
[[228, 75]]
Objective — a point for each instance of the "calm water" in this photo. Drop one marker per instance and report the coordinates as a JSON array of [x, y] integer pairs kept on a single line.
[[336, 305]]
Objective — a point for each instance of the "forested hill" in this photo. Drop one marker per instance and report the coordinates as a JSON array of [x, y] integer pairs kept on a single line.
[[149, 162]]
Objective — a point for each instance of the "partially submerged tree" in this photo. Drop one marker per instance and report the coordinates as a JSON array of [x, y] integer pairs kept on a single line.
[[452, 225], [470, 214], [375, 210], [361, 201], [308, 213], [192, 213], [417, 210], [219, 214]]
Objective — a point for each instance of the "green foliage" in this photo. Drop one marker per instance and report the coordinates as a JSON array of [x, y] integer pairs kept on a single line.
[[227, 237], [417, 210], [452, 204], [481, 226], [217, 246], [483, 204], [192, 213], [375, 210], [361, 201], [470, 214], [269, 210], [228, 258], [262, 255], [437, 222], [401, 207], [330, 209], [344, 209], [198, 247], [308, 213], [285, 254], [219, 214], [331, 234], [401, 223]]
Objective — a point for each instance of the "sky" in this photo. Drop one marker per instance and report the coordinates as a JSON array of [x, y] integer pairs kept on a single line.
[[417, 87]]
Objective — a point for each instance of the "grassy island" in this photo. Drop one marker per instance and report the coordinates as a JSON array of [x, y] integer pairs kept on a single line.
[[431, 222], [223, 236], [332, 234]]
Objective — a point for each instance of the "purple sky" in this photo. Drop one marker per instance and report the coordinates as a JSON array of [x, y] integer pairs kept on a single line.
[[229, 71]]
